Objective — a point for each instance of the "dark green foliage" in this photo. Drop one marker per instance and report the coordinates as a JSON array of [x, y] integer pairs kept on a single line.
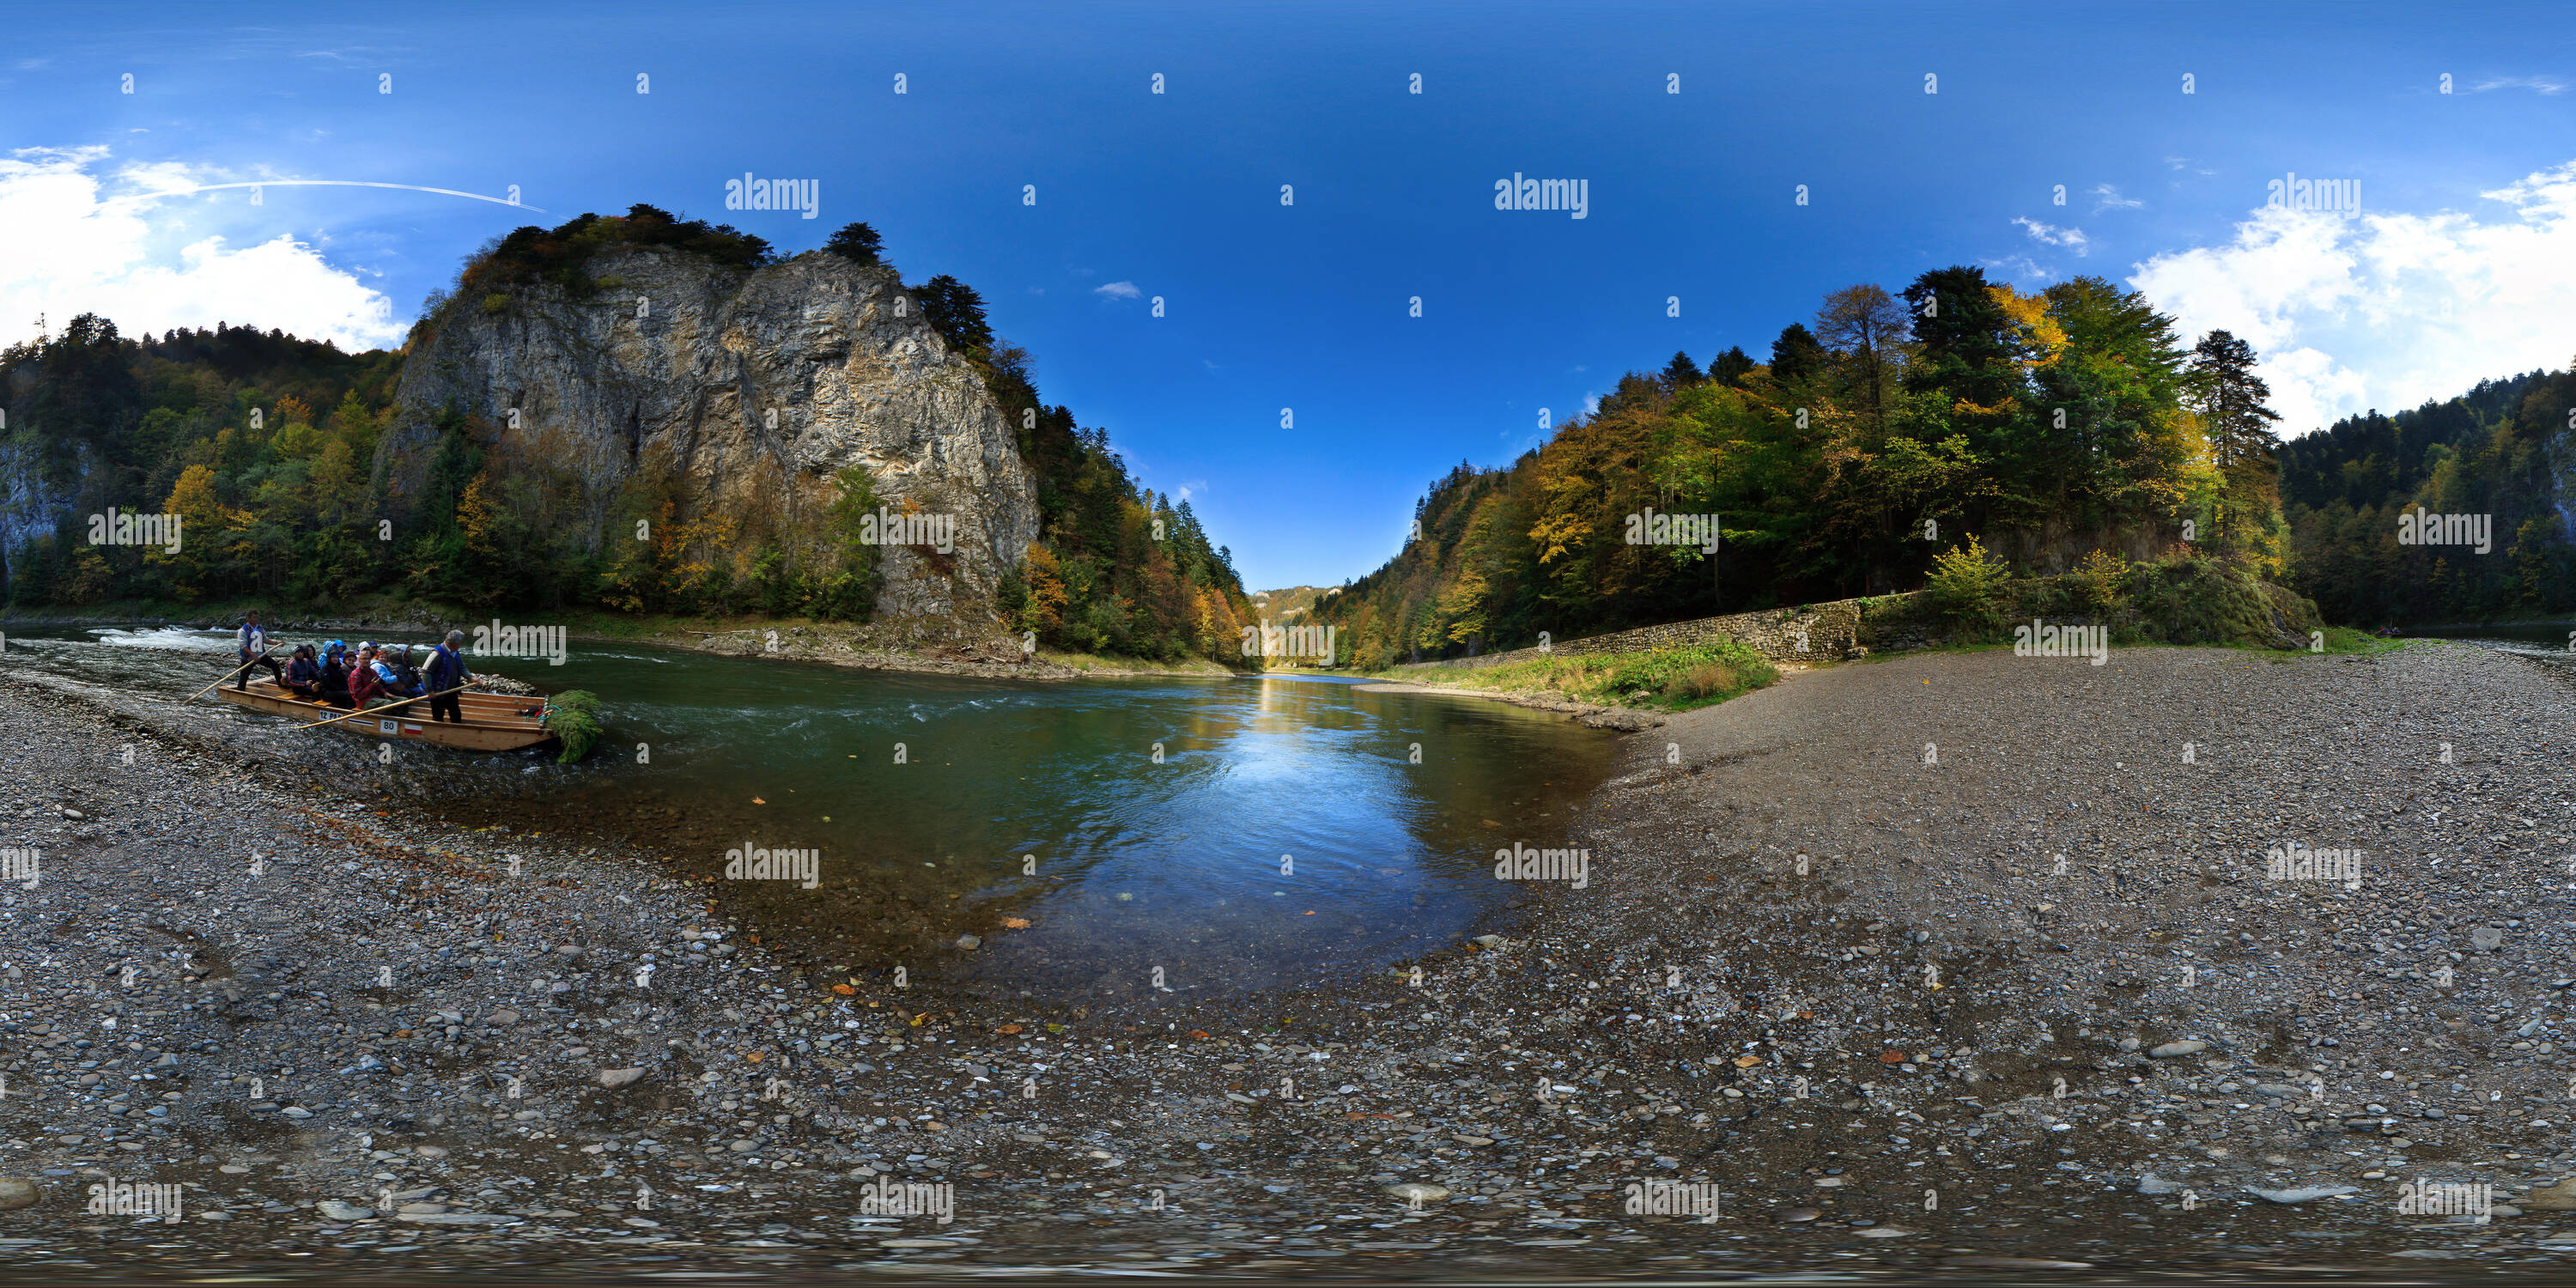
[[2501, 450], [1795, 356], [1681, 372], [956, 312], [1964, 345], [573, 717], [856, 242], [561, 255], [1731, 367]]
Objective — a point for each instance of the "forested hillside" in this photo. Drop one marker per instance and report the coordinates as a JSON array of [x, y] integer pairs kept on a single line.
[[2504, 450], [1960, 414], [268, 448]]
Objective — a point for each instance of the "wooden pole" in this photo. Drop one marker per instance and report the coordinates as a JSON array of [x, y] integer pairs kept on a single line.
[[231, 673], [376, 711]]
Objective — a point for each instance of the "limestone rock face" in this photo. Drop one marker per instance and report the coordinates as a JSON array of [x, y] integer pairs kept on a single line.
[[754, 384]]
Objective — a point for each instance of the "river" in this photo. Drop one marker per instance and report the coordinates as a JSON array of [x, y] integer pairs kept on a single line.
[[1228, 833]]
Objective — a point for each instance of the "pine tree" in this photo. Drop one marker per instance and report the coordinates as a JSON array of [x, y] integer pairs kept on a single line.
[[856, 242], [2229, 399], [1795, 356]]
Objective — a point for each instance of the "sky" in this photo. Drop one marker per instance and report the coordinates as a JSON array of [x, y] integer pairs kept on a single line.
[[1289, 197]]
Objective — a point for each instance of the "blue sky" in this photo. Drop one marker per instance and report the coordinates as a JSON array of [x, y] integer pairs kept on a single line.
[[2458, 268]]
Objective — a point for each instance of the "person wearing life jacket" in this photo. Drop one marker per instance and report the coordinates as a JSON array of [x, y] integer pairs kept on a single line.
[[252, 641], [447, 671]]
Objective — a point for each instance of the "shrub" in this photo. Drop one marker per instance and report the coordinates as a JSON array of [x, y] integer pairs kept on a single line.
[[2097, 582], [1967, 583]]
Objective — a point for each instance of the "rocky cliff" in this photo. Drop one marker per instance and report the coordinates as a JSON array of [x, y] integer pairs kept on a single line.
[[738, 380]]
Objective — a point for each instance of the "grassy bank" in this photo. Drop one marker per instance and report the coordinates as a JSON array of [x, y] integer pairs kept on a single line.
[[1674, 679]]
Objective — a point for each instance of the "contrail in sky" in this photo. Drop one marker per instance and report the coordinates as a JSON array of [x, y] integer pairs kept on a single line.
[[317, 183]]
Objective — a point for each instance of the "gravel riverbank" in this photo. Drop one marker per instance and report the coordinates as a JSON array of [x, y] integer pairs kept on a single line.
[[1927, 1046]]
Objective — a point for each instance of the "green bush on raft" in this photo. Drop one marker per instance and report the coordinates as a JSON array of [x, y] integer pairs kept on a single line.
[[574, 718]]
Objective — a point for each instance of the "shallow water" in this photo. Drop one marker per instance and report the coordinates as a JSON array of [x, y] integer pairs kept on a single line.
[[1230, 833]]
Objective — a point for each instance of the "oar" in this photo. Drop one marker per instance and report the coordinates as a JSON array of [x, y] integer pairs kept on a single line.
[[263, 653], [377, 711]]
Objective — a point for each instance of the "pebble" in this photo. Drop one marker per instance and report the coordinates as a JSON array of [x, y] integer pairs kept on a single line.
[[18, 1192], [2170, 1050], [614, 1078]]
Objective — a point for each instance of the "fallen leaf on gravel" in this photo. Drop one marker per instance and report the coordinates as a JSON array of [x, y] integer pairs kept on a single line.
[[1891, 1057], [1198, 1033], [756, 1056], [1015, 923], [843, 989], [1747, 1061], [1008, 1029]]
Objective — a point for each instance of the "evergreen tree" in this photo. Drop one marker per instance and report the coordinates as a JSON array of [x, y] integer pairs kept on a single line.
[[1796, 356], [956, 311], [1681, 373], [1729, 368], [856, 242], [2229, 398]]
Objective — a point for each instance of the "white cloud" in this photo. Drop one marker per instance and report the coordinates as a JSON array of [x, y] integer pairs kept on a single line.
[[2020, 268], [2537, 84], [1119, 291], [2071, 238], [151, 265], [2385, 311], [2107, 197]]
